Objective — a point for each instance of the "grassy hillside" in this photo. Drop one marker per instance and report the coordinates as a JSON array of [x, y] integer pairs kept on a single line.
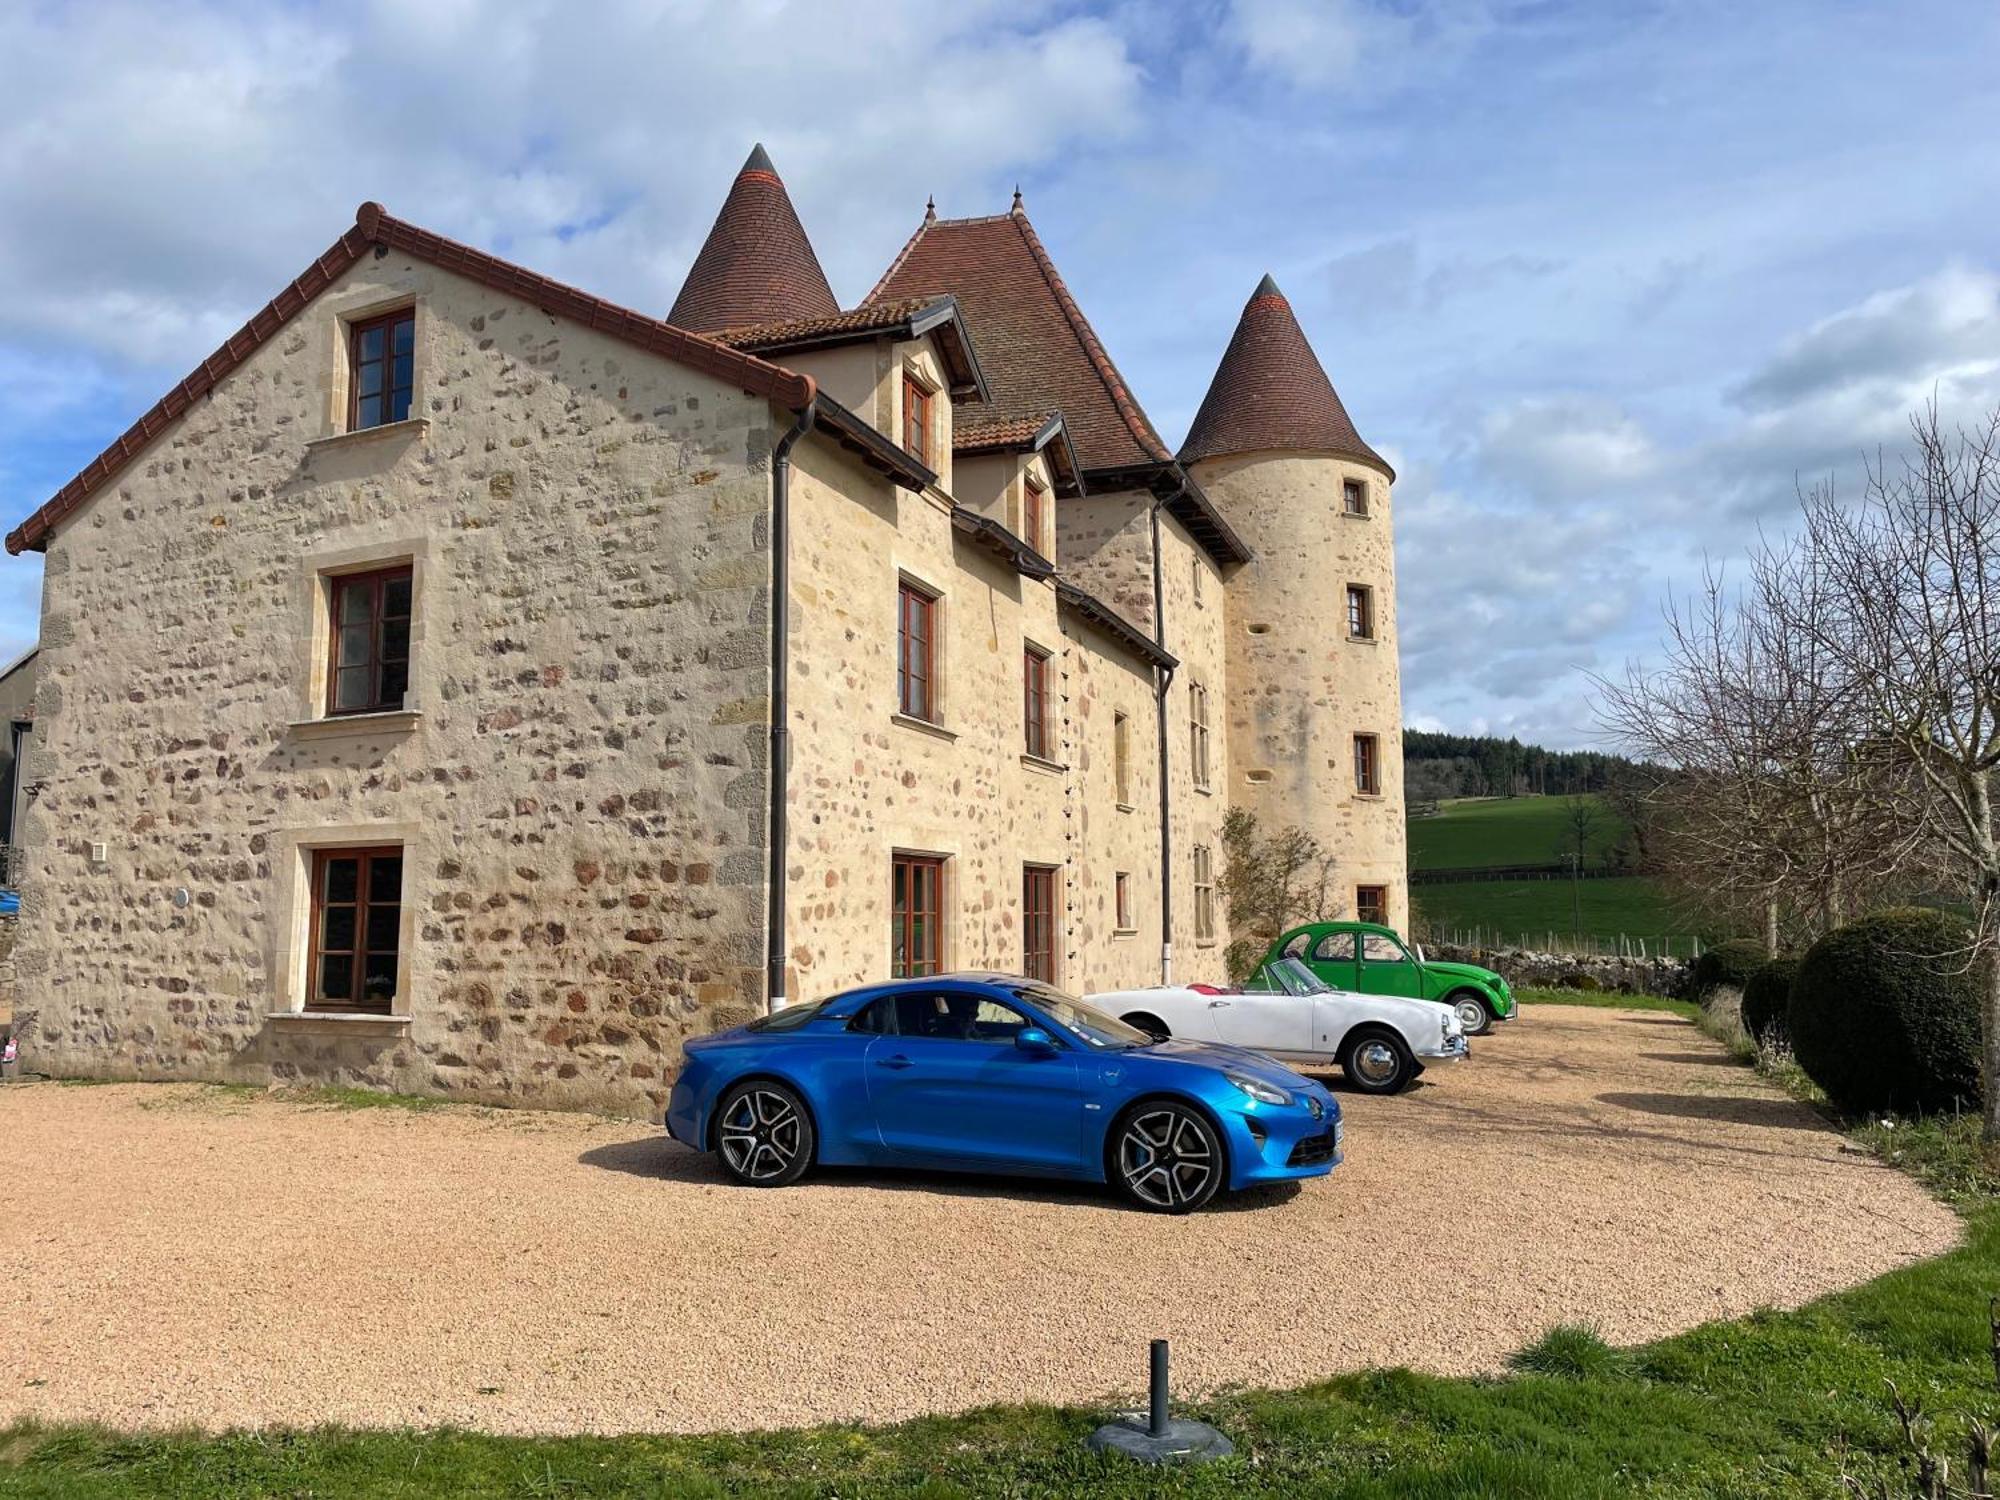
[[1503, 831], [1507, 911]]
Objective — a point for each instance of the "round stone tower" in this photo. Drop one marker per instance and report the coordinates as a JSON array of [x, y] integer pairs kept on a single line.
[[1315, 701]]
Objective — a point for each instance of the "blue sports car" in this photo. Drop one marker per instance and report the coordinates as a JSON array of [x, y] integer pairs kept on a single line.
[[995, 1073]]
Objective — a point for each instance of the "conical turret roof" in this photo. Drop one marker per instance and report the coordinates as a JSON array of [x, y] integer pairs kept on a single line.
[[756, 266], [1270, 392]]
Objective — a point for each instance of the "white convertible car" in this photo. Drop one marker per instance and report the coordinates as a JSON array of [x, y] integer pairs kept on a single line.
[[1380, 1041]]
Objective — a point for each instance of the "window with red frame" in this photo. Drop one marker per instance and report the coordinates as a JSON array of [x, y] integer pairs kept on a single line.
[[369, 670], [381, 367], [916, 420], [357, 923], [916, 653], [1035, 700], [916, 923], [1038, 923], [1031, 514]]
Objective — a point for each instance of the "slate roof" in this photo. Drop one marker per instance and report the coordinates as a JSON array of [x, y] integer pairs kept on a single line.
[[1037, 348], [756, 266], [1270, 392]]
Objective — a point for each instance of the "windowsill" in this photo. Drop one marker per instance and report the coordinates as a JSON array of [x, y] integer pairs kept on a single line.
[[1354, 515], [1043, 764], [1362, 640], [1205, 789], [357, 1020], [1124, 932], [339, 726], [407, 428], [1204, 942], [925, 726], [1367, 796], [1124, 807]]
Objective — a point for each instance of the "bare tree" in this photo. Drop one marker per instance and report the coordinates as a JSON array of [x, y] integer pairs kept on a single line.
[[1269, 883], [1900, 597]]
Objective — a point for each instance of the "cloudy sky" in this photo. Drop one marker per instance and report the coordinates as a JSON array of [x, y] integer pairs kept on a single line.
[[1604, 280]]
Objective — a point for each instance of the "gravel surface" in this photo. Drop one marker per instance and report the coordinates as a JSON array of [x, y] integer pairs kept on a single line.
[[179, 1255]]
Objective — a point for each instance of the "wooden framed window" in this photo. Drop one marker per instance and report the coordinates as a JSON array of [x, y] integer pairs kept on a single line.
[[1122, 901], [1033, 505], [1360, 612], [1198, 733], [916, 652], [1204, 894], [1121, 757], [1367, 765], [357, 925], [917, 420], [1354, 496], [1371, 904], [916, 923], [381, 366], [1035, 700], [369, 640], [1038, 923]]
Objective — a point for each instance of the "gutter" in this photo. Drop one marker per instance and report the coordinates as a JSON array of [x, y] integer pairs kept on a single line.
[[1164, 679], [779, 759]]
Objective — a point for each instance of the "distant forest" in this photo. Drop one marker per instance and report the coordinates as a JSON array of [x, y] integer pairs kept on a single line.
[[1436, 766]]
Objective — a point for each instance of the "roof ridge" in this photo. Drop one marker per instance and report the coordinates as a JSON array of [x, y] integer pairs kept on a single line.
[[374, 225], [1107, 370]]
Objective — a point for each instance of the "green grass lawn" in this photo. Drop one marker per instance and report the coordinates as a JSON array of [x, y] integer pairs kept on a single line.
[[1506, 909], [1773, 1406], [1477, 831]]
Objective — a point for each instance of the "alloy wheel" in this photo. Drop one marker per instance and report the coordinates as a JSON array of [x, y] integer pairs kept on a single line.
[[760, 1135], [1166, 1158]]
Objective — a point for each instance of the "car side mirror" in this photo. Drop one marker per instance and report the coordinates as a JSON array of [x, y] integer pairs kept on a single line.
[[1034, 1041]]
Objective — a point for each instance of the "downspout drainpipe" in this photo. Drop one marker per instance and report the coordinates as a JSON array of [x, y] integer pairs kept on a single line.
[[779, 760], [1166, 680]]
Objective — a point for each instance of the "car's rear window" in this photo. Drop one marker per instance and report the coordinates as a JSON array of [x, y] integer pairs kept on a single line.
[[791, 1018]]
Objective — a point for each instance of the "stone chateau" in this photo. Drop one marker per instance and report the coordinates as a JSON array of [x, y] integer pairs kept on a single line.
[[460, 684]]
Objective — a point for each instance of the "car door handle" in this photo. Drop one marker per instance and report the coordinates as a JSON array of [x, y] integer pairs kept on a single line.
[[1217, 1004], [898, 1061]]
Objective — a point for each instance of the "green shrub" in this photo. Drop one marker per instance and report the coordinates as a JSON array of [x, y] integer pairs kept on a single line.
[[1725, 966], [1884, 1014], [1766, 998]]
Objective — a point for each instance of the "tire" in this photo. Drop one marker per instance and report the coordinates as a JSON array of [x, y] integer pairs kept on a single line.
[[1377, 1062], [1166, 1158], [1472, 1012], [1149, 1023], [764, 1134]]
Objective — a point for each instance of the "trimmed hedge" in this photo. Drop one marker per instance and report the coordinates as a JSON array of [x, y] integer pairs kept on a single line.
[[1766, 999], [1727, 965], [1884, 1014]]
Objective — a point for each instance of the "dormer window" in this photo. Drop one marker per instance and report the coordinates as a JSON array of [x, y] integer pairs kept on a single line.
[[381, 367], [917, 420], [1034, 501]]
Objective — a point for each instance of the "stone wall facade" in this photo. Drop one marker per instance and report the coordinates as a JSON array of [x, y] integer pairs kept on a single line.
[[578, 784], [1300, 687]]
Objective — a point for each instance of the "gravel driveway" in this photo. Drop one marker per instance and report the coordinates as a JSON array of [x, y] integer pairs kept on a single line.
[[181, 1255]]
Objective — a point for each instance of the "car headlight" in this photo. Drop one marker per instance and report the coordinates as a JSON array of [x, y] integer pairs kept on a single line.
[[1263, 1093]]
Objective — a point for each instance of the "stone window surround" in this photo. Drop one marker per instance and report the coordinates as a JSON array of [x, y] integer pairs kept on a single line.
[[1360, 487], [1368, 632], [940, 684], [947, 913], [1121, 905], [292, 851], [339, 332], [1121, 760], [1372, 790], [312, 647]]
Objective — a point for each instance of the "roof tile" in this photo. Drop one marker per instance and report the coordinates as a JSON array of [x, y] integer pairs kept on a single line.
[[756, 266]]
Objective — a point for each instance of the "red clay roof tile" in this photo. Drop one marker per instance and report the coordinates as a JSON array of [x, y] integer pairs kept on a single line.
[[1036, 346], [756, 266], [1270, 392], [373, 226]]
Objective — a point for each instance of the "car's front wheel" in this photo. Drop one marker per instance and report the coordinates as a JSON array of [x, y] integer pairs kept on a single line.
[[763, 1134], [1472, 1013], [1166, 1158], [1149, 1023], [1377, 1063]]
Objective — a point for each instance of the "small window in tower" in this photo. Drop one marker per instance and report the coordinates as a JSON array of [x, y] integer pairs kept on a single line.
[[1123, 886], [1354, 496], [1360, 612], [1197, 582], [1371, 904], [1367, 765], [1121, 757]]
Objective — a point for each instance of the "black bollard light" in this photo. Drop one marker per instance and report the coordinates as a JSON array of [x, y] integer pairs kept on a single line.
[[1161, 1438]]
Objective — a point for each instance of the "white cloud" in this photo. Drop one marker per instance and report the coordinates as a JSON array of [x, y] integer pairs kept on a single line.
[[1306, 42], [1566, 445]]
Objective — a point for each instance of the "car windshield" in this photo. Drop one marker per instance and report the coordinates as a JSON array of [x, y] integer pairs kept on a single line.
[[1294, 978], [1107, 1033]]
